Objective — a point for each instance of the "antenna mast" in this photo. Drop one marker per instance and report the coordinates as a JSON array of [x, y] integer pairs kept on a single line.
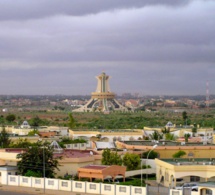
[[207, 95]]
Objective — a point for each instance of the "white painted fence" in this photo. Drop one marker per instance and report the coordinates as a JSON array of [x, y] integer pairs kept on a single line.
[[75, 186], [80, 186]]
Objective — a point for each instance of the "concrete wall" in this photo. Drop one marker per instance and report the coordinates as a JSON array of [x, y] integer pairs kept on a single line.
[[87, 187], [74, 186]]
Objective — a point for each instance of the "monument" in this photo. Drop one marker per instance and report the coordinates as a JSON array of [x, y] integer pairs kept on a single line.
[[102, 99]]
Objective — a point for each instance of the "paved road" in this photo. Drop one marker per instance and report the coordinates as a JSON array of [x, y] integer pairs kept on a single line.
[[2, 192], [15, 190]]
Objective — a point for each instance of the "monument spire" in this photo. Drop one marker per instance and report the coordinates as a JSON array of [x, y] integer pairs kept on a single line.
[[102, 99]]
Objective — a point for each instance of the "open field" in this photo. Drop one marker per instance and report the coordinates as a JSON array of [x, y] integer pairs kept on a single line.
[[129, 120]]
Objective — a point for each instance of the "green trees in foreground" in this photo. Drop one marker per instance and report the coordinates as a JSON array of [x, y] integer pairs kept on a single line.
[[38, 159], [4, 138], [130, 160], [111, 158]]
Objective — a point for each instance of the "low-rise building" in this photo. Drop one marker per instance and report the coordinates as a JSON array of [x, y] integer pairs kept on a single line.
[[189, 170]]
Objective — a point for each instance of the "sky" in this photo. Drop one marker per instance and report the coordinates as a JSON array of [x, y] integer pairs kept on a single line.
[[150, 47]]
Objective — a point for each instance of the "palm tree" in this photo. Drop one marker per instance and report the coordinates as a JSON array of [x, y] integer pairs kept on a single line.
[[156, 136], [170, 136]]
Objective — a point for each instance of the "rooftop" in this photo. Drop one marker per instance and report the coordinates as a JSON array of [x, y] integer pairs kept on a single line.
[[97, 167], [75, 153], [166, 143], [191, 161]]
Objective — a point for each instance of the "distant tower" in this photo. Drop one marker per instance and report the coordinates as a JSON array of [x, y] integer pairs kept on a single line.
[[102, 99], [207, 95]]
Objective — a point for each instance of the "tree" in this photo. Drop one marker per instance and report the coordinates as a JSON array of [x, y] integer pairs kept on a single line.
[[35, 158], [194, 129], [4, 138], [170, 136], [111, 158], [35, 122], [156, 136], [179, 154], [21, 143], [184, 116], [33, 132], [10, 118], [131, 161], [186, 137], [165, 130], [71, 123], [152, 155], [2, 120]]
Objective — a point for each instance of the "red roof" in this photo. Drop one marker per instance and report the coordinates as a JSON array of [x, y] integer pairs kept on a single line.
[[75, 153]]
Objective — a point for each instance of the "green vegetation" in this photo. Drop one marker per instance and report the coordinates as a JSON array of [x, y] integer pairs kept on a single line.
[[10, 118], [4, 138], [33, 160], [152, 154], [21, 143], [156, 136], [133, 182], [67, 140], [186, 137], [111, 158], [179, 154], [131, 161], [115, 120], [33, 132], [71, 123]]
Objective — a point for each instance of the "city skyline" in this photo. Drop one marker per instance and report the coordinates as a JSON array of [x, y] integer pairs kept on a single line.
[[58, 47]]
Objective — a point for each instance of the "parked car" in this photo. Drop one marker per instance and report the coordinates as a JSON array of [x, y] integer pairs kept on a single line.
[[192, 186]]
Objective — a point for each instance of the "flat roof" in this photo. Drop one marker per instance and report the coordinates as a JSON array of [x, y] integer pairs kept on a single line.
[[97, 167], [165, 143], [191, 161], [68, 153]]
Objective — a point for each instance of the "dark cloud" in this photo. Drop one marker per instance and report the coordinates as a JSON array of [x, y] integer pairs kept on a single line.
[[29, 9], [52, 47]]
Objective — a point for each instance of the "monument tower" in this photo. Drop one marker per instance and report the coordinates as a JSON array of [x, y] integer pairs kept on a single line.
[[102, 99]]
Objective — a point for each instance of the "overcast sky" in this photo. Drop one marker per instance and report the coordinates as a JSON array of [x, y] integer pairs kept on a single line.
[[154, 47]]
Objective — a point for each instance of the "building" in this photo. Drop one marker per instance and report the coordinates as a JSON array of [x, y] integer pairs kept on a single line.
[[168, 171], [166, 149], [102, 99], [101, 172], [71, 160]]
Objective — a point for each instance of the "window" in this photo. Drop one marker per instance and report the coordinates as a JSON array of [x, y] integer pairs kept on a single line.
[[64, 184], [0, 174], [107, 188], [50, 182], [209, 192], [37, 181], [82, 145], [76, 145], [13, 179], [194, 178], [25, 180], [93, 186], [78, 185], [138, 191], [122, 189]]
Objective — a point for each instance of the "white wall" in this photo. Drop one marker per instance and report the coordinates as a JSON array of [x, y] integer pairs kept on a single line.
[[75, 186]]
